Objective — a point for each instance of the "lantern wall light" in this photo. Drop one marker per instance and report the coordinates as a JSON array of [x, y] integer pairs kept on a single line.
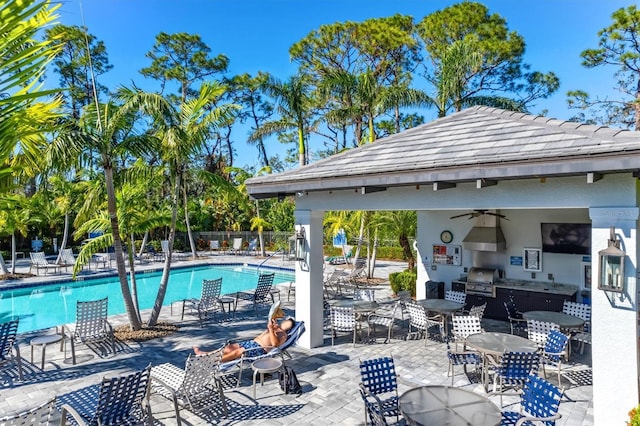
[[611, 277]]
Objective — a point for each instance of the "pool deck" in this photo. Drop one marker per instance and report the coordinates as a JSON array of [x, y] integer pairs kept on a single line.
[[329, 374]]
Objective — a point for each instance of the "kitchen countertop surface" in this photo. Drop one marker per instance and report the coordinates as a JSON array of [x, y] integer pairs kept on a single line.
[[537, 286]]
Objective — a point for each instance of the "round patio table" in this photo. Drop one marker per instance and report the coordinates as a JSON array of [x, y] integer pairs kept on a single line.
[[444, 405], [359, 306], [560, 318], [493, 345], [441, 305]]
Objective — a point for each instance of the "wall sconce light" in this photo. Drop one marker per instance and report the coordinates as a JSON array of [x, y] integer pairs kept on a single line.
[[611, 277], [301, 244]]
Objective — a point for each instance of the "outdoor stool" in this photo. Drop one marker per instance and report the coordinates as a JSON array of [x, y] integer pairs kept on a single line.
[[43, 341], [262, 367]]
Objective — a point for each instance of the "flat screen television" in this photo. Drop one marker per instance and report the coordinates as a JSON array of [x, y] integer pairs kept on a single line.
[[568, 238]]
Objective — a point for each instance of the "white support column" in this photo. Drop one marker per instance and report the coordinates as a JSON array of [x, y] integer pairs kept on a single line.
[[613, 319], [309, 291]]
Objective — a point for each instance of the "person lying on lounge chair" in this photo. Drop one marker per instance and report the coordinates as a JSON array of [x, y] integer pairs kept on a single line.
[[274, 335]]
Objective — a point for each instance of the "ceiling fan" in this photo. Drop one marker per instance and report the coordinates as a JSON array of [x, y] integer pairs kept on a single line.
[[479, 212]]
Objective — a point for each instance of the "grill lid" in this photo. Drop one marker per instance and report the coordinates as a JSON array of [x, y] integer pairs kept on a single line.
[[482, 275]]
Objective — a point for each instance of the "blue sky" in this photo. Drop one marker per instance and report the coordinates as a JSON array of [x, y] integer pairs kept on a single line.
[[256, 35]]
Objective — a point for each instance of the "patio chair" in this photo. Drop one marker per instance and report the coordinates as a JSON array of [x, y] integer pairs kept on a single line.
[[66, 259], [384, 320], [517, 323], [153, 254], [463, 358], [91, 326], [214, 245], [343, 319], [540, 401], [580, 310], [463, 326], [477, 311], [404, 296], [120, 400], [40, 415], [39, 261], [368, 294], [373, 409], [378, 378], [237, 246], [514, 369], [248, 357], [261, 295], [164, 244], [252, 247], [555, 348], [332, 282], [8, 345], [419, 320], [209, 302], [538, 331], [456, 296], [198, 380]]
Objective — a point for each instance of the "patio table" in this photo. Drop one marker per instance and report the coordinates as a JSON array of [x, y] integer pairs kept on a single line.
[[565, 321], [443, 307], [444, 405], [493, 345]]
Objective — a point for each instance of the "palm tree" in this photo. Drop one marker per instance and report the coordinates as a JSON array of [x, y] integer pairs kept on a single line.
[[15, 216], [24, 59], [109, 131], [403, 224], [182, 132], [294, 102]]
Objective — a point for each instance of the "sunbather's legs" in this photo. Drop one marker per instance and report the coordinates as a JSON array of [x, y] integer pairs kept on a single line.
[[230, 352]]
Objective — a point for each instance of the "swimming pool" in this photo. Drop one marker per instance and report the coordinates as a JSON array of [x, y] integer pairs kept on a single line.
[[47, 306]]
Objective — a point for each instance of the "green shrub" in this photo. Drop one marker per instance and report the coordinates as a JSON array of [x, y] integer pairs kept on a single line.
[[403, 281]]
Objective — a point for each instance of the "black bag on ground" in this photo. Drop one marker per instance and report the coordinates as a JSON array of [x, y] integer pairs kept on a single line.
[[289, 381]]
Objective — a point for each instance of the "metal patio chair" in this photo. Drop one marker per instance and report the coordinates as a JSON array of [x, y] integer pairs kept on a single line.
[[514, 369], [91, 326], [378, 378], [540, 401], [463, 358], [419, 320], [209, 302], [39, 261], [477, 311], [119, 400], [343, 319], [198, 380], [537, 331], [517, 323], [40, 415], [373, 409], [555, 348], [261, 295], [387, 321], [463, 326], [580, 310], [8, 345], [456, 296]]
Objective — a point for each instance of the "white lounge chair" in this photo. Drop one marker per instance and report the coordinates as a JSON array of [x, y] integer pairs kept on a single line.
[[38, 261]]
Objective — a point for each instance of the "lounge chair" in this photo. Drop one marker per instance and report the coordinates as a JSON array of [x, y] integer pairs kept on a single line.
[[262, 293], [209, 302], [119, 400], [214, 245], [91, 325], [8, 345], [38, 261], [237, 246], [197, 380], [248, 357], [67, 259], [253, 247]]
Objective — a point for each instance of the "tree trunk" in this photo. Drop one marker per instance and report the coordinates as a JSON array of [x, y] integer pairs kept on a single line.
[[301, 149], [260, 233], [194, 252], [13, 257], [360, 236], [134, 284], [144, 244], [63, 245], [372, 263], [406, 249], [164, 281], [117, 244]]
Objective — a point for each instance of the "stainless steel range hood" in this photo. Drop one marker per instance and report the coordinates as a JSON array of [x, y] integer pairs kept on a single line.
[[486, 235]]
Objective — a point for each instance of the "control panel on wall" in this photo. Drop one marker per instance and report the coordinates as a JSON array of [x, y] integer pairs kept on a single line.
[[446, 254]]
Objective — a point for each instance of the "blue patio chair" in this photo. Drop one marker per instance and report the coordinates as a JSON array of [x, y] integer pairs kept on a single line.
[[248, 357], [372, 409], [514, 370], [261, 295], [8, 345], [378, 379], [554, 349], [463, 358], [119, 400], [540, 402]]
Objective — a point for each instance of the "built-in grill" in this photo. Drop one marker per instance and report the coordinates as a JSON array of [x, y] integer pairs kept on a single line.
[[481, 281]]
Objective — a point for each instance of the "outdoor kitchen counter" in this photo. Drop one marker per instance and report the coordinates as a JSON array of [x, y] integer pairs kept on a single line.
[[537, 286]]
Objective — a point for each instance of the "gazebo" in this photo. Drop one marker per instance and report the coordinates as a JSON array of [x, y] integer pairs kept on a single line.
[[531, 169]]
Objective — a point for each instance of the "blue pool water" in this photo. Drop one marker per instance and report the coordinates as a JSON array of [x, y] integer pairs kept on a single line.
[[47, 306]]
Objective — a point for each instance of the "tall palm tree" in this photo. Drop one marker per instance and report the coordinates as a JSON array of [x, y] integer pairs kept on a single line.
[[294, 103], [15, 217], [402, 224], [109, 131], [182, 132]]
